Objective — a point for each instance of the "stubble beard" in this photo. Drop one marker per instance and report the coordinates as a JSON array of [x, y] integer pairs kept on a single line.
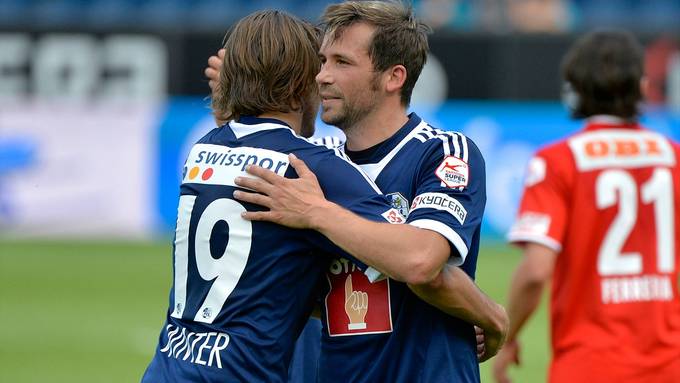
[[351, 113]]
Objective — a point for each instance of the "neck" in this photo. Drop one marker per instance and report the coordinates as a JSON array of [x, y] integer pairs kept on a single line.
[[376, 127], [293, 119]]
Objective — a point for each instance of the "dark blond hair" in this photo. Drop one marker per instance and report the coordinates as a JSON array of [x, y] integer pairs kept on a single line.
[[399, 38], [270, 63]]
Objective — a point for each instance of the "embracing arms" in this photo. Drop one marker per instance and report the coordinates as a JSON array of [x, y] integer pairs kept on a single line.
[[404, 252]]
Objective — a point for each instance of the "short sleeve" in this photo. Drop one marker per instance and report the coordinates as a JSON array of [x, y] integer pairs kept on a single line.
[[451, 192], [543, 210]]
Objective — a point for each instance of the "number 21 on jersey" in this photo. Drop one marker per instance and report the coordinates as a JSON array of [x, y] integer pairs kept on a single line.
[[619, 187]]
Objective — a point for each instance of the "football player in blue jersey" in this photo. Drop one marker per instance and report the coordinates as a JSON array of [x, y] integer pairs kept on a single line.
[[372, 54], [243, 290]]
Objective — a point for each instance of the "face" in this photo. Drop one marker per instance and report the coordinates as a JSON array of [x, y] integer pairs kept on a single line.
[[348, 85]]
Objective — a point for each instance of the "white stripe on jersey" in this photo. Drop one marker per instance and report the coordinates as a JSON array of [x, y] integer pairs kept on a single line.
[[331, 142], [455, 141], [446, 144], [427, 133], [450, 234], [465, 147], [241, 130], [449, 140]]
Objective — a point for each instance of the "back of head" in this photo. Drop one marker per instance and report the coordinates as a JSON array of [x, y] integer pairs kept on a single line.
[[270, 63], [399, 38], [604, 70]]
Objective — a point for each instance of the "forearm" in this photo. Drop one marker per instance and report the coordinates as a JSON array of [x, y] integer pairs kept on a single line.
[[523, 299], [456, 294], [403, 252]]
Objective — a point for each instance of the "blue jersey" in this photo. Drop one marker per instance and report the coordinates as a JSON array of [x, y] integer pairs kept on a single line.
[[243, 290], [436, 180]]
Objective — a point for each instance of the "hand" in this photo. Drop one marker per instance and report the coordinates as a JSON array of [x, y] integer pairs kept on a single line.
[[479, 334], [507, 356], [492, 340], [291, 202], [212, 72], [356, 306]]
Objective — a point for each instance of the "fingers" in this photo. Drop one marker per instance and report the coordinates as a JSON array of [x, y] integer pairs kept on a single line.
[[215, 62], [481, 348], [259, 216], [348, 287], [212, 72], [260, 186], [300, 167], [265, 174], [254, 198], [500, 369], [364, 301]]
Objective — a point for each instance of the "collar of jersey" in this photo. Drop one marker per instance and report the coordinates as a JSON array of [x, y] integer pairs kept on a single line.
[[380, 150], [246, 125], [609, 122]]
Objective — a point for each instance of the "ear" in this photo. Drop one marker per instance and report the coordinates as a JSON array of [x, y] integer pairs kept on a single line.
[[644, 87], [395, 77]]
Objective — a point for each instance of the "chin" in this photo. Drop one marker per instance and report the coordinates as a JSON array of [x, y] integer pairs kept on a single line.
[[307, 133], [330, 119]]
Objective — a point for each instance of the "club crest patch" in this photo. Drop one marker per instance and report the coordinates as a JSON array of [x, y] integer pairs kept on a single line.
[[453, 172], [400, 203]]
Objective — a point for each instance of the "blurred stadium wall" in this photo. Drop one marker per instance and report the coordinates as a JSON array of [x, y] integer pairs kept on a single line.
[[100, 100]]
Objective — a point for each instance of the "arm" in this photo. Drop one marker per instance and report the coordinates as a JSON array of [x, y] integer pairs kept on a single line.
[[456, 294], [526, 288], [403, 252]]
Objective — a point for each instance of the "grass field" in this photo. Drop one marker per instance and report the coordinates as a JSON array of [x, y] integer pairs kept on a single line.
[[91, 311]]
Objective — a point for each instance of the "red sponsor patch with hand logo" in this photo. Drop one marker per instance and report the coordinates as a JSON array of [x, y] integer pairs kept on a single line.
[[354, 305]]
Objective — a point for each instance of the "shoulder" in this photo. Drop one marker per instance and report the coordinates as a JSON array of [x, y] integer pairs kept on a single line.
[[555, 154], [448, 148], [331, 165], [446, 142]]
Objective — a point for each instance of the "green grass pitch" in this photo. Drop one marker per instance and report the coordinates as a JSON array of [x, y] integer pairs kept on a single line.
[[91, 311]]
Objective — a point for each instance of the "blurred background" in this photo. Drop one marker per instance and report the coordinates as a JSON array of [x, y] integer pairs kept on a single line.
[[100, 101]]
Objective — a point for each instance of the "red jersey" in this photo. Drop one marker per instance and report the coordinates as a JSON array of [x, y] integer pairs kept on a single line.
[[607, 199]]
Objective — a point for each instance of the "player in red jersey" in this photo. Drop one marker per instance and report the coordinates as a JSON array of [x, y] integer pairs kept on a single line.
[[600, 215]]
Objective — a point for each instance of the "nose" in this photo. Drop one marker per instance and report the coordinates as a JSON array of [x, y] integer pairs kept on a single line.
[[324, 76]]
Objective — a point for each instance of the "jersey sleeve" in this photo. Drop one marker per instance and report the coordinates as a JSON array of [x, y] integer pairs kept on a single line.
[[346, 185], [544, 206], [451, 192]]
